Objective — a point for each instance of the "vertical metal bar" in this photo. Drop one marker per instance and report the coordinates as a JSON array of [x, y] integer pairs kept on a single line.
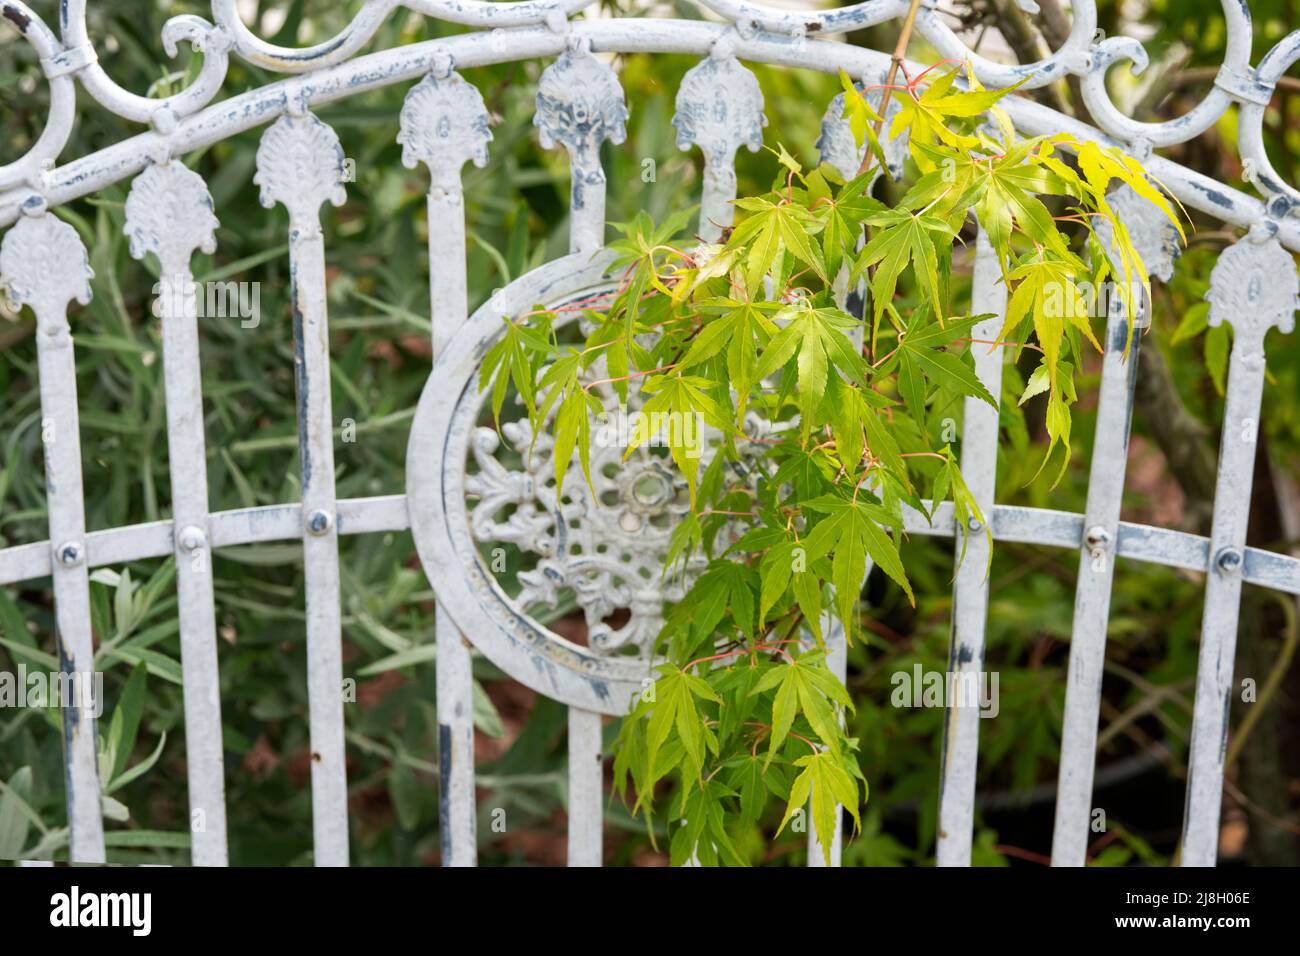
[[320, 551], [444, 123], [169, 213], [44, 265], [1254, 287], [580, 105], [586, 785], [455, 689], [719, 109], [1092, 595], [1156, 239], [979, 450], [300, 164]]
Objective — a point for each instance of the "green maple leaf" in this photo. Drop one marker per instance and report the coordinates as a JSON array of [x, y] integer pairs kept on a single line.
[[747, 779], [513, 358], [862, 120], [774, 574], [852, 530], [828, 786], [685, 397], [1101, 164], [637, 254], [1046, 292], [703, 834], [574, 407], [844, 406], [948, 480], [1006, 202], [807, 589], [675, 711], [841, 217], [573, 430], [739, 328], [903, 238], [920, 351], [925, 117], [819, 337], [771, 227], [804, 685]]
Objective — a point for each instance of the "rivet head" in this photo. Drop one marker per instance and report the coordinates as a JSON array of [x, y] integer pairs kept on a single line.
[[974, 524], [1228, 561], [1097, 538], [191, 538], [69, 554], [319, 522]]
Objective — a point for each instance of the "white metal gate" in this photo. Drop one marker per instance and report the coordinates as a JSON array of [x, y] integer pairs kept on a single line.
[[580, 105]]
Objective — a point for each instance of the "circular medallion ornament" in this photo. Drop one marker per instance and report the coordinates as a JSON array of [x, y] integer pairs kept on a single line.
[[472, 491]]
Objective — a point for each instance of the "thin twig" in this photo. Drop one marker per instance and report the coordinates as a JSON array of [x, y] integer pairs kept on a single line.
[[896, 61]]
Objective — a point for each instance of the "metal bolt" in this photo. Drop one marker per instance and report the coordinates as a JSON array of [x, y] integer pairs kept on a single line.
[[319, 522], [1228, 561], [69, 554], [1097, 538], [191, 538], [974, 524]]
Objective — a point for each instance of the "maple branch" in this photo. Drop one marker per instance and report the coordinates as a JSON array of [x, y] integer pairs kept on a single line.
[[789, 733], [896, 61], [630, 375]]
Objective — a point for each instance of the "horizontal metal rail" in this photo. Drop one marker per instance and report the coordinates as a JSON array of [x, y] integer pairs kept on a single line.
[[1044, 526]]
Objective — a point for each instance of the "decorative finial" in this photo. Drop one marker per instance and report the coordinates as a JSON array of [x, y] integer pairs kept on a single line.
[[169, 213], [300, 164], [1254, 287], [444, 124], [580, 105], [43, 264], [719, 109]]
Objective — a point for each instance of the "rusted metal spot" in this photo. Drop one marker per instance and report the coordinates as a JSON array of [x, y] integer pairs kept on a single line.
[[17, 18]]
